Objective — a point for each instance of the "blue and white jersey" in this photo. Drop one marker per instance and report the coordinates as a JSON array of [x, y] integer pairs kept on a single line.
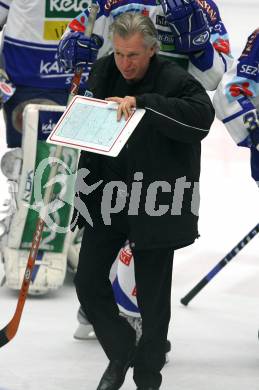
[[124, 286], [236, 100], [33, 30], [208, 68]]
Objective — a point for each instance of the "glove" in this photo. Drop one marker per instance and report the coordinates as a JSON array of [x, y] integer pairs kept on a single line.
[[251, 122], [7, 89], [188, 24], [75, 49]]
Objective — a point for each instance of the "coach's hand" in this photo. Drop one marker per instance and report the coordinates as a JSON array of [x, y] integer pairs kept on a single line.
[[125, 106]]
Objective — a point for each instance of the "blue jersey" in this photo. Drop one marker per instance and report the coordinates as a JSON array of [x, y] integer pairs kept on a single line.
[[32, 33]]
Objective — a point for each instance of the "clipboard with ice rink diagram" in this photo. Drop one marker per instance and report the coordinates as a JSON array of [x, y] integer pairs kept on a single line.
[[91, 124]]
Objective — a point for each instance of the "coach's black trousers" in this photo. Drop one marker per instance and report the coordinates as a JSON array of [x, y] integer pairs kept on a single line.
[[153, 273]]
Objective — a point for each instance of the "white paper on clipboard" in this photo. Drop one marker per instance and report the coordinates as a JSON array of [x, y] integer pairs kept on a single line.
[[91, 124]]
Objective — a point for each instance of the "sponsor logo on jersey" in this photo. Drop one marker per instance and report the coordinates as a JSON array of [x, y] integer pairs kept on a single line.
[[47, 69], [109, 4], [240, 89], [125, 256], [65, 8], [250, 43], [222, 45], [165, 38], [207, 8], [53, 30], [249, 69], [201, 39], [161, 21]]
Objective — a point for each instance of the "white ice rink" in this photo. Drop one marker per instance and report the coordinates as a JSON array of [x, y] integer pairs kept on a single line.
[[214, 339]]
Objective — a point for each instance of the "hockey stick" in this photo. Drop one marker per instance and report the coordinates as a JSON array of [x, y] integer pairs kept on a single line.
[[9, 331], [218, 267]]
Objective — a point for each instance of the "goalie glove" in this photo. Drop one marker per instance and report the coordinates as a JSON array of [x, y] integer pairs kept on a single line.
[[188, 24], [6, 88], [77, 50]]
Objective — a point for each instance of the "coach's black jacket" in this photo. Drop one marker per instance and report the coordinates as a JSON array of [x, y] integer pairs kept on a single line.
[[161, 147]]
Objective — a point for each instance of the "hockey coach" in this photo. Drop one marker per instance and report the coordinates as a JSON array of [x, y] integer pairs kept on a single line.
[[156, 179]]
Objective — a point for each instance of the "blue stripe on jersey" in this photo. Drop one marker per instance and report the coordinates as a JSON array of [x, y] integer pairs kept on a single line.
[[236, 115], [122, 299], [224, 61], [18, 42], [34, 67], [246, 106], [4, 5]]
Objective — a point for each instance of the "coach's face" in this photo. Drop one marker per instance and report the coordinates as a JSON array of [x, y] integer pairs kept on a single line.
[[132, 56]]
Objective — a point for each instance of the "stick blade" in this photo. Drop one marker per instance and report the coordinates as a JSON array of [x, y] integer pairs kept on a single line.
[[184, 301], [3, 337]]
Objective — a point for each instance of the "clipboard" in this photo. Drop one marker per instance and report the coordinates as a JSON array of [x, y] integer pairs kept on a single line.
[[91, 124]]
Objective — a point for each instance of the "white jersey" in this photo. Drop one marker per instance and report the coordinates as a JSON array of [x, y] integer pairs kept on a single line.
[[33, 30], [236, 101]]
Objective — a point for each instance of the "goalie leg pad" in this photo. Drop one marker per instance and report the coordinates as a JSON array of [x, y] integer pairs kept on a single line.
[[52, 264], [48, 273]]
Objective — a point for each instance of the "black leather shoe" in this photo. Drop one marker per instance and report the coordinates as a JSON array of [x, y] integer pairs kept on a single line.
[[114, 376]]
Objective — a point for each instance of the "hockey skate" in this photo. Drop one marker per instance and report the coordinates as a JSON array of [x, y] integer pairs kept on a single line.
[[85, 330]]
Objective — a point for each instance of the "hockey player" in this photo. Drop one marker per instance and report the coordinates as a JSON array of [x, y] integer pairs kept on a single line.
[[191, 33], [33, 29], [236, 101]]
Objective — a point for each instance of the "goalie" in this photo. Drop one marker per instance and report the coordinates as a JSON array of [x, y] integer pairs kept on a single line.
[[32, 75]]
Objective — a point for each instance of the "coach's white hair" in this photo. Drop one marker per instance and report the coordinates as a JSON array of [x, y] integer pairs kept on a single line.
[[130, 23]]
